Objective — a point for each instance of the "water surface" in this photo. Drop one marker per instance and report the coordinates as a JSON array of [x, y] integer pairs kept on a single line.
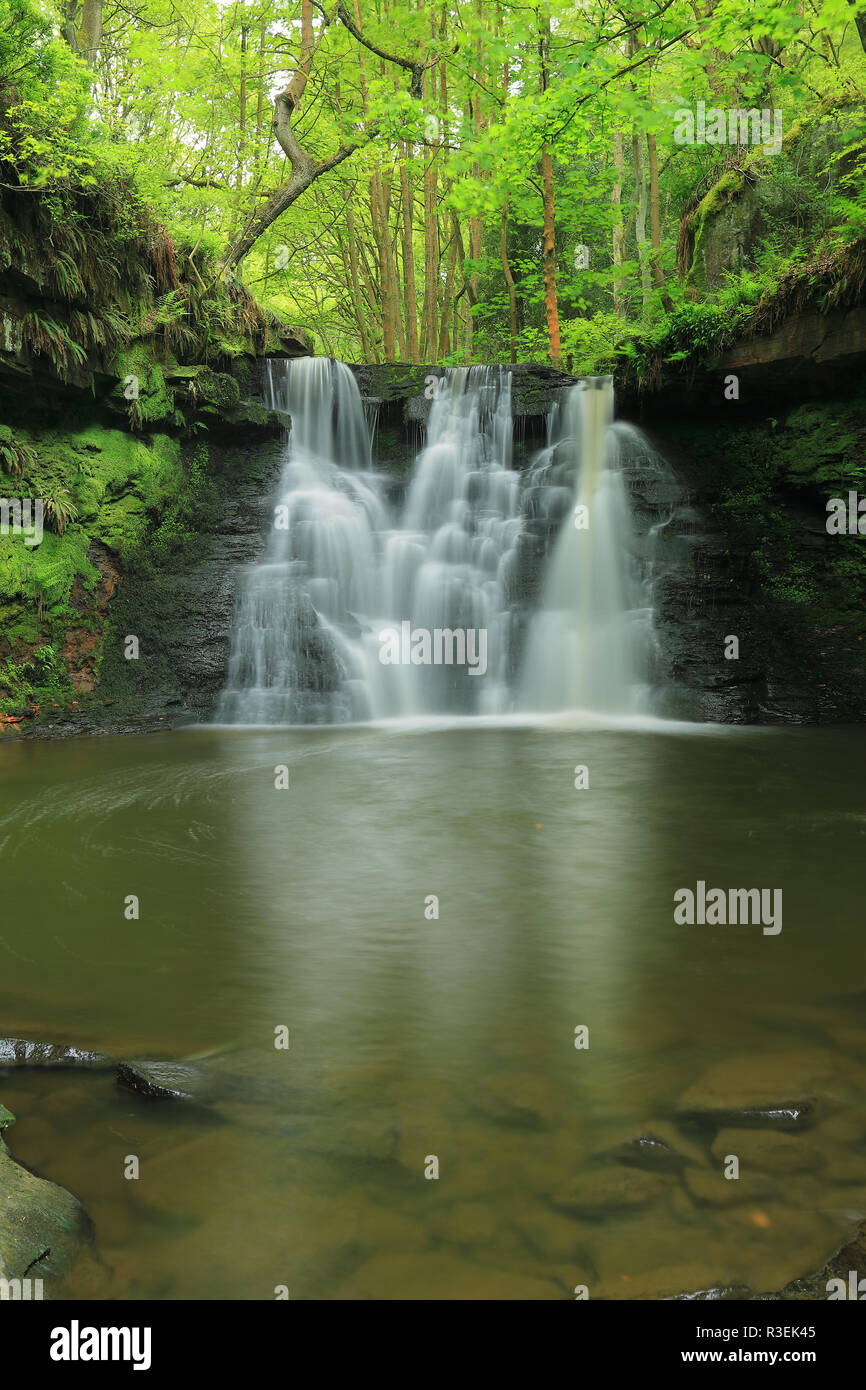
[[453, 1037]]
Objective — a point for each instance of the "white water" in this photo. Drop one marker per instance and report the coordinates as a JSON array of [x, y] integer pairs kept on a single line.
[[345, 563], [588, 642]]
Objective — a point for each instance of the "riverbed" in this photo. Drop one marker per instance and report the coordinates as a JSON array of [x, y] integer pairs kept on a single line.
[[440, 919]]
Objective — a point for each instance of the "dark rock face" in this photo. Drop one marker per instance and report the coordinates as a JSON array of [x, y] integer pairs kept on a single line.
[[811, 355], [398, 399], [182, 609], [754, 561]]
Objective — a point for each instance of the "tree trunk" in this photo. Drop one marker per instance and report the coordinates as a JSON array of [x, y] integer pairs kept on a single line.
[[86, 38], [548, 240], [91, 31], [619, 298], [655, 222], [430, 314], [242, 138], [305, 169], [411, 306], [509, 284], [360, 316], [448, 298], [641, 203]]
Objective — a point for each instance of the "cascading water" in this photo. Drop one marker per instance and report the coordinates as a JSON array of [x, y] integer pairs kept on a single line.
[[344, 565], [589, 641], [374, 601]]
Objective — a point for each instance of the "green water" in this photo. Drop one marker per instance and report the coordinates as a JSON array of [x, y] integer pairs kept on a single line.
[[454, 1037]]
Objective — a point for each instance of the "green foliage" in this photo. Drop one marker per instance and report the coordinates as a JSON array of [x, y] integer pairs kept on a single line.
[[16, 457], [180, 523], [152, 163], [39, 679], [59, 510]]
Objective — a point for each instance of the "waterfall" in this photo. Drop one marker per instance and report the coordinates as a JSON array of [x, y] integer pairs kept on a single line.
[[380, 599], [588, 643]]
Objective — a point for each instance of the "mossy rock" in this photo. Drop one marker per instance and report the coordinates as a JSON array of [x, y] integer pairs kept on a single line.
[[142, 393], [42, 1226], [726, 228]]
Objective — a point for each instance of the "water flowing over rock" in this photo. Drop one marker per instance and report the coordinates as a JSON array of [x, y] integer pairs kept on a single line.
[[589, 642], [382, 599]]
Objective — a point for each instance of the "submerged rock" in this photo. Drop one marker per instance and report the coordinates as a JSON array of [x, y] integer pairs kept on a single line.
[[648, 1152], [230, 1080], [17, 1052], [792, 1115], [611, 1190], [777, 1090], [710, 1186], [163, 1080], [43, 1227], [768, 1152]]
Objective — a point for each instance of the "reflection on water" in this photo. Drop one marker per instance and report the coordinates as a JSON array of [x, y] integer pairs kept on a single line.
[[451, 1037]]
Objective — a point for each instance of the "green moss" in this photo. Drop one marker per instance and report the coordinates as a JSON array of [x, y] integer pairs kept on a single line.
[[142, 391], [48, 571], [720, 196], [824, 446]]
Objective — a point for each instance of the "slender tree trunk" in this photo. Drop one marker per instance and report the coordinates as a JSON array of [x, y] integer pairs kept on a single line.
[[379, 222], [461, 303], [447, 301], [619, 299], [392, 278], [354, 280], [503, 235], [860, 21], [655, 223], [242, 137], [509, 284], [548, 242], [305, 169], [431, 261], [641, 195], [411, 306], [476, 222], [260, 99]]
